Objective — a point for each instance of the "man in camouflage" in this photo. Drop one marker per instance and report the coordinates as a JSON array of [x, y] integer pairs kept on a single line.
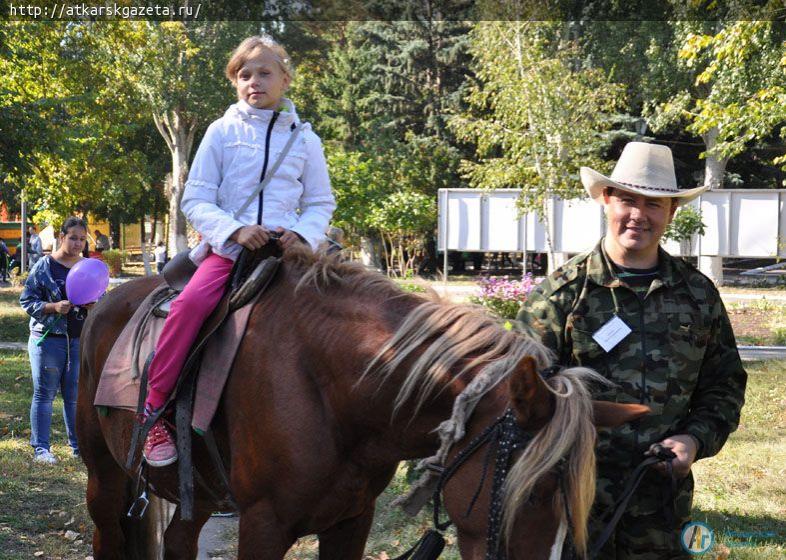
[[674, 349]]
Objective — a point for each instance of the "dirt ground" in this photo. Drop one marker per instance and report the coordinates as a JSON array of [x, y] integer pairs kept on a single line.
[[753, 326]]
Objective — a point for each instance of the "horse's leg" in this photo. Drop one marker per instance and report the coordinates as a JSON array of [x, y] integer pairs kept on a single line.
[[182, 537], [261, 536], [347, 540], [107, 502]]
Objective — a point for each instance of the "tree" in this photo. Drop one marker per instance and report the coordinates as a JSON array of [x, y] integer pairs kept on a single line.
[[94, 156], [386, 94], [738, 95], [177, 69], [535, 114], [33, 90]]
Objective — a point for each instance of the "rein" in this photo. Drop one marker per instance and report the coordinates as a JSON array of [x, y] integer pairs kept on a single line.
[[657, 453]]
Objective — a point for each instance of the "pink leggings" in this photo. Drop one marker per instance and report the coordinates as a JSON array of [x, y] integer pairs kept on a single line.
[[186, 316]]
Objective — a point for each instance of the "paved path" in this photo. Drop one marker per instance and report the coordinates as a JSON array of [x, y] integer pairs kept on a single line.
[[213, 538], [755, 353]]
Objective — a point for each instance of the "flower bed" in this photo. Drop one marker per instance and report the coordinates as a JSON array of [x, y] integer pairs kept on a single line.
[[503, 296]]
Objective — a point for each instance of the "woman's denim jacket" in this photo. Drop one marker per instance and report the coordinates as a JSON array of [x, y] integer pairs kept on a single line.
[[40, 289]]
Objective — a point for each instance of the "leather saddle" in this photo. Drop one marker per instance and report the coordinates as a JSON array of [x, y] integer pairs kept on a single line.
[[252, 273]]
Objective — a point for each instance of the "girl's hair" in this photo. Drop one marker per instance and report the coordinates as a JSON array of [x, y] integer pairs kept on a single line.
[[73, 221], [245, 49]]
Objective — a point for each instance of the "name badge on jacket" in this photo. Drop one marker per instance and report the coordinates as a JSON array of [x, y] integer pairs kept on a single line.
[[610, 334]]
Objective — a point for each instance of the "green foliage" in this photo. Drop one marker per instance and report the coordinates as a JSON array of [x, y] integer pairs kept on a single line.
[[114, 259], [738, 90], [534, 114], [412, 288], [686, 223], [404, 213], [501, 308]]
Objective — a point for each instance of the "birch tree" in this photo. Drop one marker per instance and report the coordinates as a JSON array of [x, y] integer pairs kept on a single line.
[[536, 115], [737, 98], [177, 69]]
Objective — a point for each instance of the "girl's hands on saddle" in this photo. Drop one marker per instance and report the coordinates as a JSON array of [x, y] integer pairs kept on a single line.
[[251, 237], [288, 238]]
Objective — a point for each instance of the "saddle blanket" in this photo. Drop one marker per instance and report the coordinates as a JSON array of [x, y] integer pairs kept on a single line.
[[120, 378]]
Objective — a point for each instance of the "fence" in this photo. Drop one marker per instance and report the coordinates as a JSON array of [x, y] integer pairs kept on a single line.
[[740, 223]]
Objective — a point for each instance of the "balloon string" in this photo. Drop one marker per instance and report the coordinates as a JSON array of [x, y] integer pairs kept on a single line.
[[43, 336]]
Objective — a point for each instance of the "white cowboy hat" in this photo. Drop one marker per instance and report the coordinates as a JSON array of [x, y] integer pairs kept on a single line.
[[645, 169]]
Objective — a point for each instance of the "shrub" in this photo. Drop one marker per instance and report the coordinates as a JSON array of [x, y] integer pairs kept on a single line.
[[114, 260], [18, 278], [687, 222], [502, 296]]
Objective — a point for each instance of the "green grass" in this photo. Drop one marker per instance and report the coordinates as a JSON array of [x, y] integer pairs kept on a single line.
[[13, 319], [40, 502], [739, 491]]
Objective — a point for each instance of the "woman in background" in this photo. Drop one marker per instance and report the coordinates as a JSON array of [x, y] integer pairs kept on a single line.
[[53, 346]]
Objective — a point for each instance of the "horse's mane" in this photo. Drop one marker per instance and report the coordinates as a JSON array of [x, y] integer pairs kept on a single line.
[[326, 272], [447, 341]]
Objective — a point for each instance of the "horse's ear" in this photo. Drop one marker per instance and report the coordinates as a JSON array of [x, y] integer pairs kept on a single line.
[[532, 402], [611, 414]]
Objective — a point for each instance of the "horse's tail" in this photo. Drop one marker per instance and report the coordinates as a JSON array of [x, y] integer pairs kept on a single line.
[[569, 434]]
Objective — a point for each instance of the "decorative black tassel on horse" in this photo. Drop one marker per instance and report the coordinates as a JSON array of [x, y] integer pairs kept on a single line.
[[429, 547], [504, 437]]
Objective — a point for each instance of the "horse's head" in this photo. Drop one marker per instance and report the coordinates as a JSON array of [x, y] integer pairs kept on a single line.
[[533, 402], [560, 460]]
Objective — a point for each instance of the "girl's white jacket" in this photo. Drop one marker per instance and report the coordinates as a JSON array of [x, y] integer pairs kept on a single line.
[[227, 168]]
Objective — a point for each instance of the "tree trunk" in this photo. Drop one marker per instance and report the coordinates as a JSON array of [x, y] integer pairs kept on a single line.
[[114, 231], [143, 241], [177, 221], [178, 133], [370, 253], [714, 168]]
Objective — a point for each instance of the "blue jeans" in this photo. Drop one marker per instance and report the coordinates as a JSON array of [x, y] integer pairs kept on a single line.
[[54, 364]]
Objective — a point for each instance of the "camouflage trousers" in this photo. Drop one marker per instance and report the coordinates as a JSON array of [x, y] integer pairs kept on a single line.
[[645, 531]]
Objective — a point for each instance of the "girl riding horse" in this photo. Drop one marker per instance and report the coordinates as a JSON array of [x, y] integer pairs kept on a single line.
[[249, 144]]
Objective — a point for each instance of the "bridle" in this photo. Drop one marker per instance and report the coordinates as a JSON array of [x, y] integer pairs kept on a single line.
[[506, 436]]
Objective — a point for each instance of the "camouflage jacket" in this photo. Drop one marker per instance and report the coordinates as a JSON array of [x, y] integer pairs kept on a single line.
[[680, 359]]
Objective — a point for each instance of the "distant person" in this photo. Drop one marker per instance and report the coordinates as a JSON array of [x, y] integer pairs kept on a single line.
[[5, 257], [102, 242], [16, 259], [55, 327], [35, 249], [160, 254]]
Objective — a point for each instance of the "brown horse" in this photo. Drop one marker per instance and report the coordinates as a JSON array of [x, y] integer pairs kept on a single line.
[[311, 440]]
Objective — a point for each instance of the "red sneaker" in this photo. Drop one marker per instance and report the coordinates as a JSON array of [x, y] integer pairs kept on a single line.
[[159, 449]]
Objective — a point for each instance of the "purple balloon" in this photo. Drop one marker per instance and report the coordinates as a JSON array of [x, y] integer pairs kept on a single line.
[[87, 281]]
